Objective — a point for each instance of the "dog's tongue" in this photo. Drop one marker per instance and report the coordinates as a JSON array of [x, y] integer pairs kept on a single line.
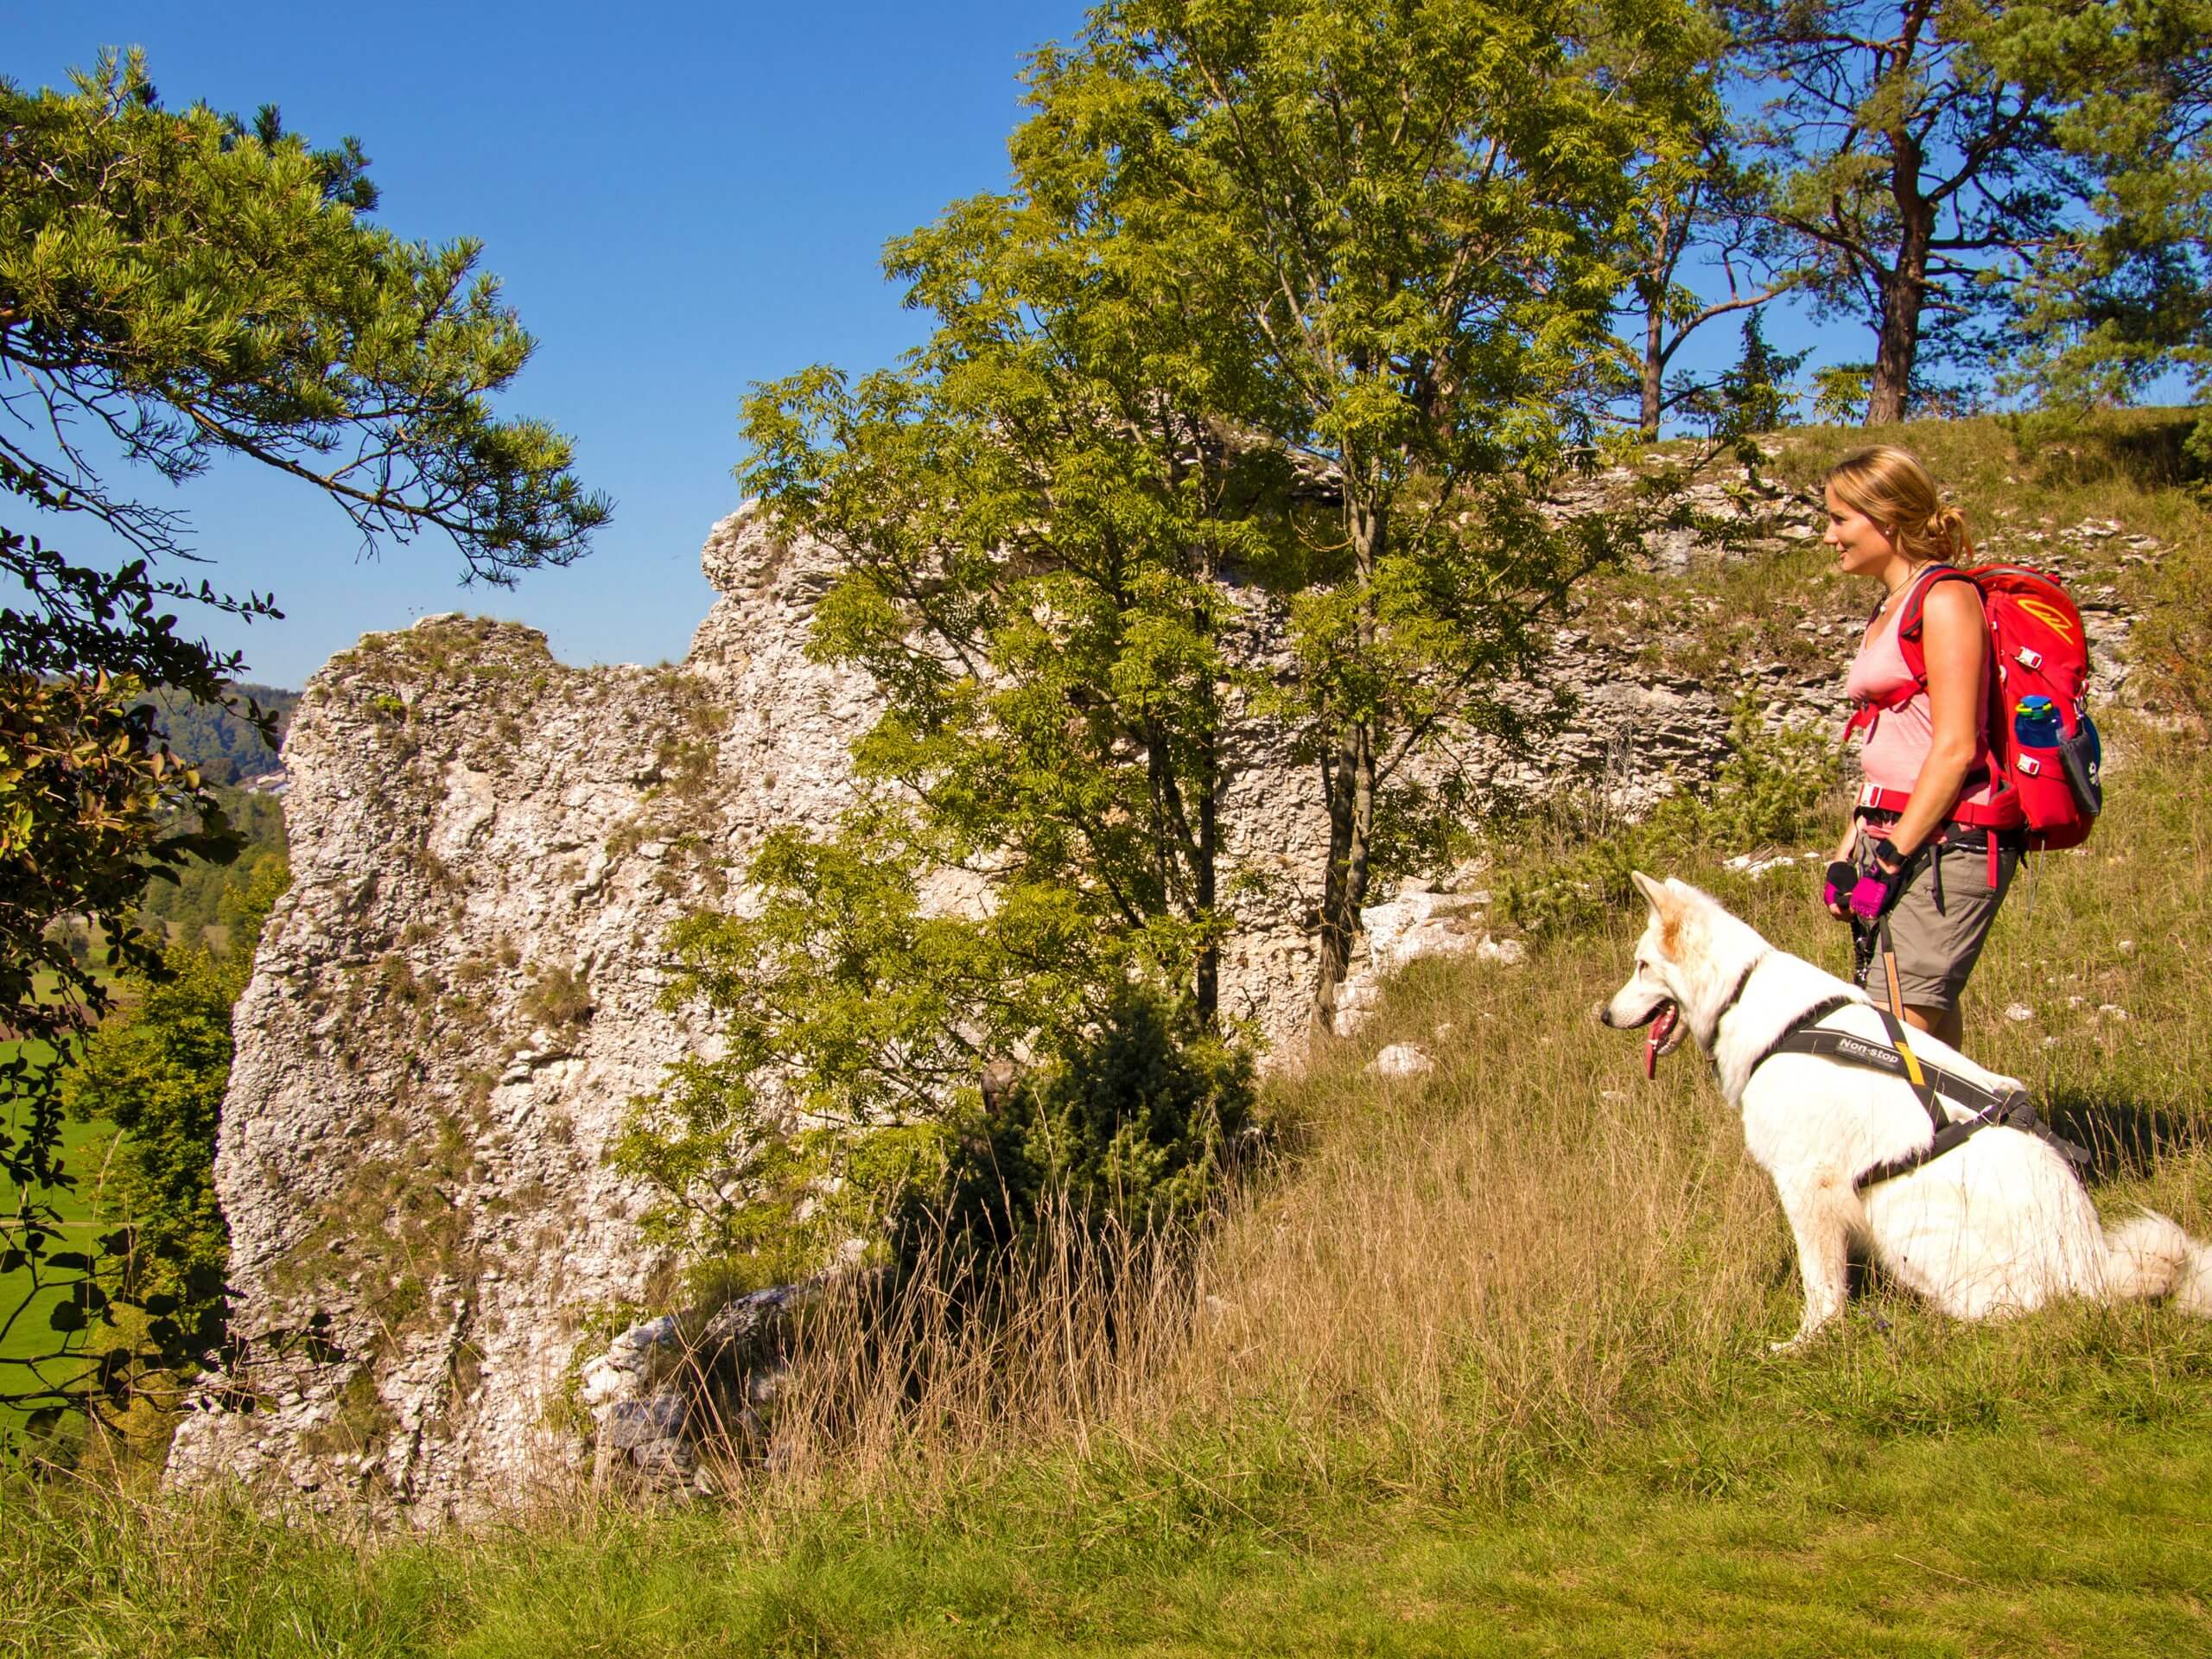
[[1662, 1026]]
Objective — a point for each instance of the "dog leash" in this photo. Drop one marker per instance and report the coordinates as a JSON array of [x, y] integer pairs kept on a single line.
[[1895, 1012], [1866, 939]]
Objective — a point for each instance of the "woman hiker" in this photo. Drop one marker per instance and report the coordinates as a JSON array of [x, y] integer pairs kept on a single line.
[[1920, 849]]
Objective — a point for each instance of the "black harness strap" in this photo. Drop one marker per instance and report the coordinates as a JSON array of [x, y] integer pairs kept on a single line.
[[1842, 1045], [1799, 1027], [1707, 1040], [2012, 1109]]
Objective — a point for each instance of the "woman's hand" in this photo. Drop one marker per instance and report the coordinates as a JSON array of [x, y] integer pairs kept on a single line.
[[1843, 872], [1843, 875], [1878, 889]]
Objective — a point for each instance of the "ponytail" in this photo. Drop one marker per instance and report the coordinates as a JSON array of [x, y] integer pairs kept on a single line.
[[1945, 534]]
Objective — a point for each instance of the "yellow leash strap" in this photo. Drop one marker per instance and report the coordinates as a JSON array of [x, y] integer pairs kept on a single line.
[[1914, 1075], [1890, 971], [1911, 1063]]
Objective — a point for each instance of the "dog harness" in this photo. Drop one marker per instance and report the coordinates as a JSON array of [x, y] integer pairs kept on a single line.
[[2012, 1109]]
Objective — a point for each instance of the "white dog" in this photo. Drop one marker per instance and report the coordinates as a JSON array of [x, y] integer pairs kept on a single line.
[[1998, 1224]]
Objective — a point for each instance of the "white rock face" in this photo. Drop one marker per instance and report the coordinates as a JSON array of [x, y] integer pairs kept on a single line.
[[459, 997], [451, 1010]]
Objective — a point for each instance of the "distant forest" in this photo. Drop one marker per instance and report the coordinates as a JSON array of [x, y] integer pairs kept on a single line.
[[224, 747], [198, 906]]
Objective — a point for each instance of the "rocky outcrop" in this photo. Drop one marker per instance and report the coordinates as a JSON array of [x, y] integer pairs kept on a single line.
[[460, 994], [452, 1009]]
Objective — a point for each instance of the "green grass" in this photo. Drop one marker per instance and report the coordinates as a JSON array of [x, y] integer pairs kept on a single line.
[[83, 1146], [1485, 1366], [1978, 1521]]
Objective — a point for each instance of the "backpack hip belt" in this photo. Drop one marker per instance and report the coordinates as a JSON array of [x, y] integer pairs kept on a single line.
[[1971, 827]]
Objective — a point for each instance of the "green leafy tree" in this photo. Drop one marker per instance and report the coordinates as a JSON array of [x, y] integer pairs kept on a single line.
[[1407, 214], [213, 739], [188, 285], [857, 1029], [181, 284], [1752, 396], [2118, 302], [1133, 1123], [1919, 153], [157, 1074], [206, 893], [1037, 516], [1697, 245]]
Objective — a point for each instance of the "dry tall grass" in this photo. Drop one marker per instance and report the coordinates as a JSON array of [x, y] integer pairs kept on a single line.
[[1449, 1280], [915, 1384], [1487, 1261], [1452, 1273]]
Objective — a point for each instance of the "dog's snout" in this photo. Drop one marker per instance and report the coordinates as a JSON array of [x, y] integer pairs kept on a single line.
[[1602, 1011]]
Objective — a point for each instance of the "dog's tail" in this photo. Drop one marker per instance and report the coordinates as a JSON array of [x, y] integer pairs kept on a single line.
[[2152, 1256]]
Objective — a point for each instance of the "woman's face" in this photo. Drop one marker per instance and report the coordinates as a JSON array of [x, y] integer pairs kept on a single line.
[[1862, 547]]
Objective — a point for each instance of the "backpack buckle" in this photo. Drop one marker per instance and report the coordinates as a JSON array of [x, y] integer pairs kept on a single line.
[[2030, 765], [2030, 660]]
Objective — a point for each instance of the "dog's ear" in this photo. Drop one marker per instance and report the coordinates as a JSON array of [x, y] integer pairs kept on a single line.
[[1668, 906]]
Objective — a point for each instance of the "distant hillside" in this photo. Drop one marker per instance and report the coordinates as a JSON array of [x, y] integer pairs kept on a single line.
[[224, 747], [199, 904]]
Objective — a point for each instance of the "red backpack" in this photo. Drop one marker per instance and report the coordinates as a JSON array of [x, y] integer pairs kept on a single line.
[[2042, 743]]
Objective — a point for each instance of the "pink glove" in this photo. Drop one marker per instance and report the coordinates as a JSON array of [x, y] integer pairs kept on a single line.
[[1876, 891]]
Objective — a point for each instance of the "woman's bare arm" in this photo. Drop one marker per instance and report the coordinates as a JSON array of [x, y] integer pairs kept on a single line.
[[1955, 641]]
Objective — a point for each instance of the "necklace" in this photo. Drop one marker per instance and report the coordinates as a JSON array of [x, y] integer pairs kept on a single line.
[[1891, 599], [1912, 573]]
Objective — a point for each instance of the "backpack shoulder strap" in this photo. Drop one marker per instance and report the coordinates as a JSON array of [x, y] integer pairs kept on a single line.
[[1916, 602], [1910, 645]]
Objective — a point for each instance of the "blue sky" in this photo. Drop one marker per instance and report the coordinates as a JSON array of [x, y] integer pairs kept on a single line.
[[679, 199]]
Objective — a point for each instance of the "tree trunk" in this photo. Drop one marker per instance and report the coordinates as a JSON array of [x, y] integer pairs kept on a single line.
[[1903, 290], [1348, 782], [1655, 367], [1209, 964], [1898, 344]]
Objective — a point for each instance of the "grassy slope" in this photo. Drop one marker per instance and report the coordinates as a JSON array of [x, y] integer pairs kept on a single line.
[[82, 1146], [1485, 1372]]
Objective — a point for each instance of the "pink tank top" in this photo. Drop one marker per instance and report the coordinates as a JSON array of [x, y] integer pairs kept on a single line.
[[1897, 741]]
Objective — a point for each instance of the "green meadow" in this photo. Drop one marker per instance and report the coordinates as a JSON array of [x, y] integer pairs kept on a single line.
[[28, 1334]]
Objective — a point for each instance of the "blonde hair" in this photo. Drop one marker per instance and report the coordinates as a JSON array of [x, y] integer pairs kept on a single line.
[[1890, 486]]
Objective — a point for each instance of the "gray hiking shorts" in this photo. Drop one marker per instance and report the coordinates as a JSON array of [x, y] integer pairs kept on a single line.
[[1940, 922]]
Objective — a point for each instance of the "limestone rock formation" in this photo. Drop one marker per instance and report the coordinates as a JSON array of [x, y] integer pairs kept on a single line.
[[459, 997], [450, 1011]]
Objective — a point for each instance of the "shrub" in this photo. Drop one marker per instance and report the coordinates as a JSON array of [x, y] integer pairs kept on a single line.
[[556, 999], [1135, 1124], [1132, 1127]]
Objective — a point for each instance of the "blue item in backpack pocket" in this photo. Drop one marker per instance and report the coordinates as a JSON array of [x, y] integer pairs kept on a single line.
[[2035, 723]]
